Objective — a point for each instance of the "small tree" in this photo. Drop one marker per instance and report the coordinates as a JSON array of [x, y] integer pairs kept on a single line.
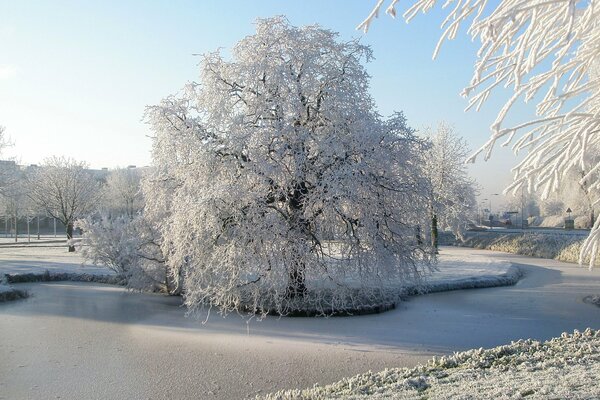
[[451, 193], [65, 190], [129, 247], [267, 157]]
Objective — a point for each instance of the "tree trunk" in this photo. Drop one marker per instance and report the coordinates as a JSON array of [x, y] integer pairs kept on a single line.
[[16, 229], [434, 232], [592, 218], [296, 283], [70, 236], [418, 235], [296, 280]]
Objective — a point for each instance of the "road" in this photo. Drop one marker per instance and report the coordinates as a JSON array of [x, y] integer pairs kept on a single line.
[[77, 340]]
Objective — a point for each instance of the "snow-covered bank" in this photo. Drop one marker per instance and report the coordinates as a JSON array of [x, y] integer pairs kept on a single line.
[[8, 293], [455, 271], [47, 263], [562, 247], [563, 367], [48, 276]]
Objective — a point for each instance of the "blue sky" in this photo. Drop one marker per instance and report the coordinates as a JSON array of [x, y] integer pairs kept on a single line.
[[75, 76]]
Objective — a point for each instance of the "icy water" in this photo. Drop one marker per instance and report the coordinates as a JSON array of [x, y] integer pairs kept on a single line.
[[77, 340]]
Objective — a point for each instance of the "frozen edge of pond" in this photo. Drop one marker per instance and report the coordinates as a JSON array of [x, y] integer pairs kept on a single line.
[[9, 293], [509, 277]]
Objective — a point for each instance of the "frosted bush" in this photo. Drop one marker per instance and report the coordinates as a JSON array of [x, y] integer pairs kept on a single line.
[[127, 247]]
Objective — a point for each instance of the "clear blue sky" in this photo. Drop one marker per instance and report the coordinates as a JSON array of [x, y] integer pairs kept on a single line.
[[75, 76]]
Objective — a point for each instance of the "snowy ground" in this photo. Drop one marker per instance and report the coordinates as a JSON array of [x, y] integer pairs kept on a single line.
[[460, 270], [44, 256], [47, 257], [81, 340]]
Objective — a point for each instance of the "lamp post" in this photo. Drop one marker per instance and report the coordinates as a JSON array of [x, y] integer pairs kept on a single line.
[[569, 223]]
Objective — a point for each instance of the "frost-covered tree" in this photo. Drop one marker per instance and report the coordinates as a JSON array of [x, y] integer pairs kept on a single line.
[[542, 50], [7, 168], [3, 139], [585, 195], [122, 191], [12, 194], [127, 246], [270, 155], [14, 205], [65, 190], [451, 192]]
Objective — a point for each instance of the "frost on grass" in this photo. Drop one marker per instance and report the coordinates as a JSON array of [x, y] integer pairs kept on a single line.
[[562, 247], [563, 367], [47, 276]]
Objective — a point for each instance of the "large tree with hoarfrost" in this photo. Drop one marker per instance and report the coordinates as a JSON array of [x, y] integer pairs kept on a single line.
[[277, 181], [547, 51]]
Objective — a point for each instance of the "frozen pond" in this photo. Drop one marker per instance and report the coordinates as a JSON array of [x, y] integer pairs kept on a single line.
[[77, 340]]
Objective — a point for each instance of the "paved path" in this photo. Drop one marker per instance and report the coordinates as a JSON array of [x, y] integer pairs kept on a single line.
[[76, 340]]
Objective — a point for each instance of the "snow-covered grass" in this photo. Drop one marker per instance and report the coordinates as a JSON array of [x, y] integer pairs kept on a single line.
[[562, 247], [455, 272], [563, 367], [39, 259]]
